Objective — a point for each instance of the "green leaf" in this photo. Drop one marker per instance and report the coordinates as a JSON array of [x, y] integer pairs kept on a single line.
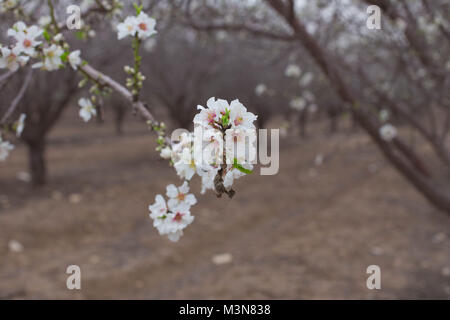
[[46, 35], [236, 165], [64, 56], [226, 118], [80, 35], [138, 8]]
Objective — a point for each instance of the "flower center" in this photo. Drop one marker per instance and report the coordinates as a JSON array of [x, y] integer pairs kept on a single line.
[[181, 196], [27, 43], [12, 57], [143, 26], [238, 121], [178, 217], [211, 117]]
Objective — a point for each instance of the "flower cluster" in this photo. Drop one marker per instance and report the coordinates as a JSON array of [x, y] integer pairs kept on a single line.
[[141, 26], [27, 46], [173, 217], [221, 149]]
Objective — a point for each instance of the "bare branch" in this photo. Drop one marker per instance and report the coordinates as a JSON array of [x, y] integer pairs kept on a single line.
[[17, 99]]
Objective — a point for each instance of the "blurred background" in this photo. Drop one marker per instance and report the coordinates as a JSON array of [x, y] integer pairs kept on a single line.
[[344, 198]]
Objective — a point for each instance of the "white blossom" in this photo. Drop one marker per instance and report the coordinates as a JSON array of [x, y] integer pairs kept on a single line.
[[20, 124], [44, 21], [240, 117], [388, 132], [26, 41], [298, 103], [292, 71], [127, 28], [170, 223], [179, 196], [74, 59], [5, 148], [260, 89], [87, 110], [166, 153], [306, 79], [52, 57], [11, 59], [145, 26]]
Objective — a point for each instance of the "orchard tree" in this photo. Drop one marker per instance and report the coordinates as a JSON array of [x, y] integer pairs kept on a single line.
[[413, 41]]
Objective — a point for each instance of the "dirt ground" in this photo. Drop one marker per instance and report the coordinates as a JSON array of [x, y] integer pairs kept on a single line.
[[308, 232]]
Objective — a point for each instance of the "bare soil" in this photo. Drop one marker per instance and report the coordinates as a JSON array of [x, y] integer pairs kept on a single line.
[[308, 232]]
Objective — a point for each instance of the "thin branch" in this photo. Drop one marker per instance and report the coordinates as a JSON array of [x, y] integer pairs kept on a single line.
[[17, 99]]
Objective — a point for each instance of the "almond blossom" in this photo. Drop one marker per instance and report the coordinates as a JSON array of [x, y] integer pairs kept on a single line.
[[292, 71], [143, 26], [74, 59], [11, 59], [179, 196], [5, 148], [170, 223], [52, 57], [20, 124], [87, 110], [388, 132], [26, 39]]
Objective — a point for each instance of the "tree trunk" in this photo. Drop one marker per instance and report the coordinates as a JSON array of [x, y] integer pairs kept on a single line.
[[38, 170]]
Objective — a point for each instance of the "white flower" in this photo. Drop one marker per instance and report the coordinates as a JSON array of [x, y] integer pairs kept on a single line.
[[260, 89], [306, 79], [298, 103], [52, 60], [18, 28], [240, 144], [208, 147], [179, 196], [58, 37], [26, 41], [5, 148], [145, 26], [240, 117], [212, 114], [207, 174], [233, 174], [127, 28], [185, 166], [388, 132], [292, 71], [166, 153], [44, 21], [21, 124], [158, 211], [8, 5], [87, 109], [11, 59], [74, 59], [170, 223]]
